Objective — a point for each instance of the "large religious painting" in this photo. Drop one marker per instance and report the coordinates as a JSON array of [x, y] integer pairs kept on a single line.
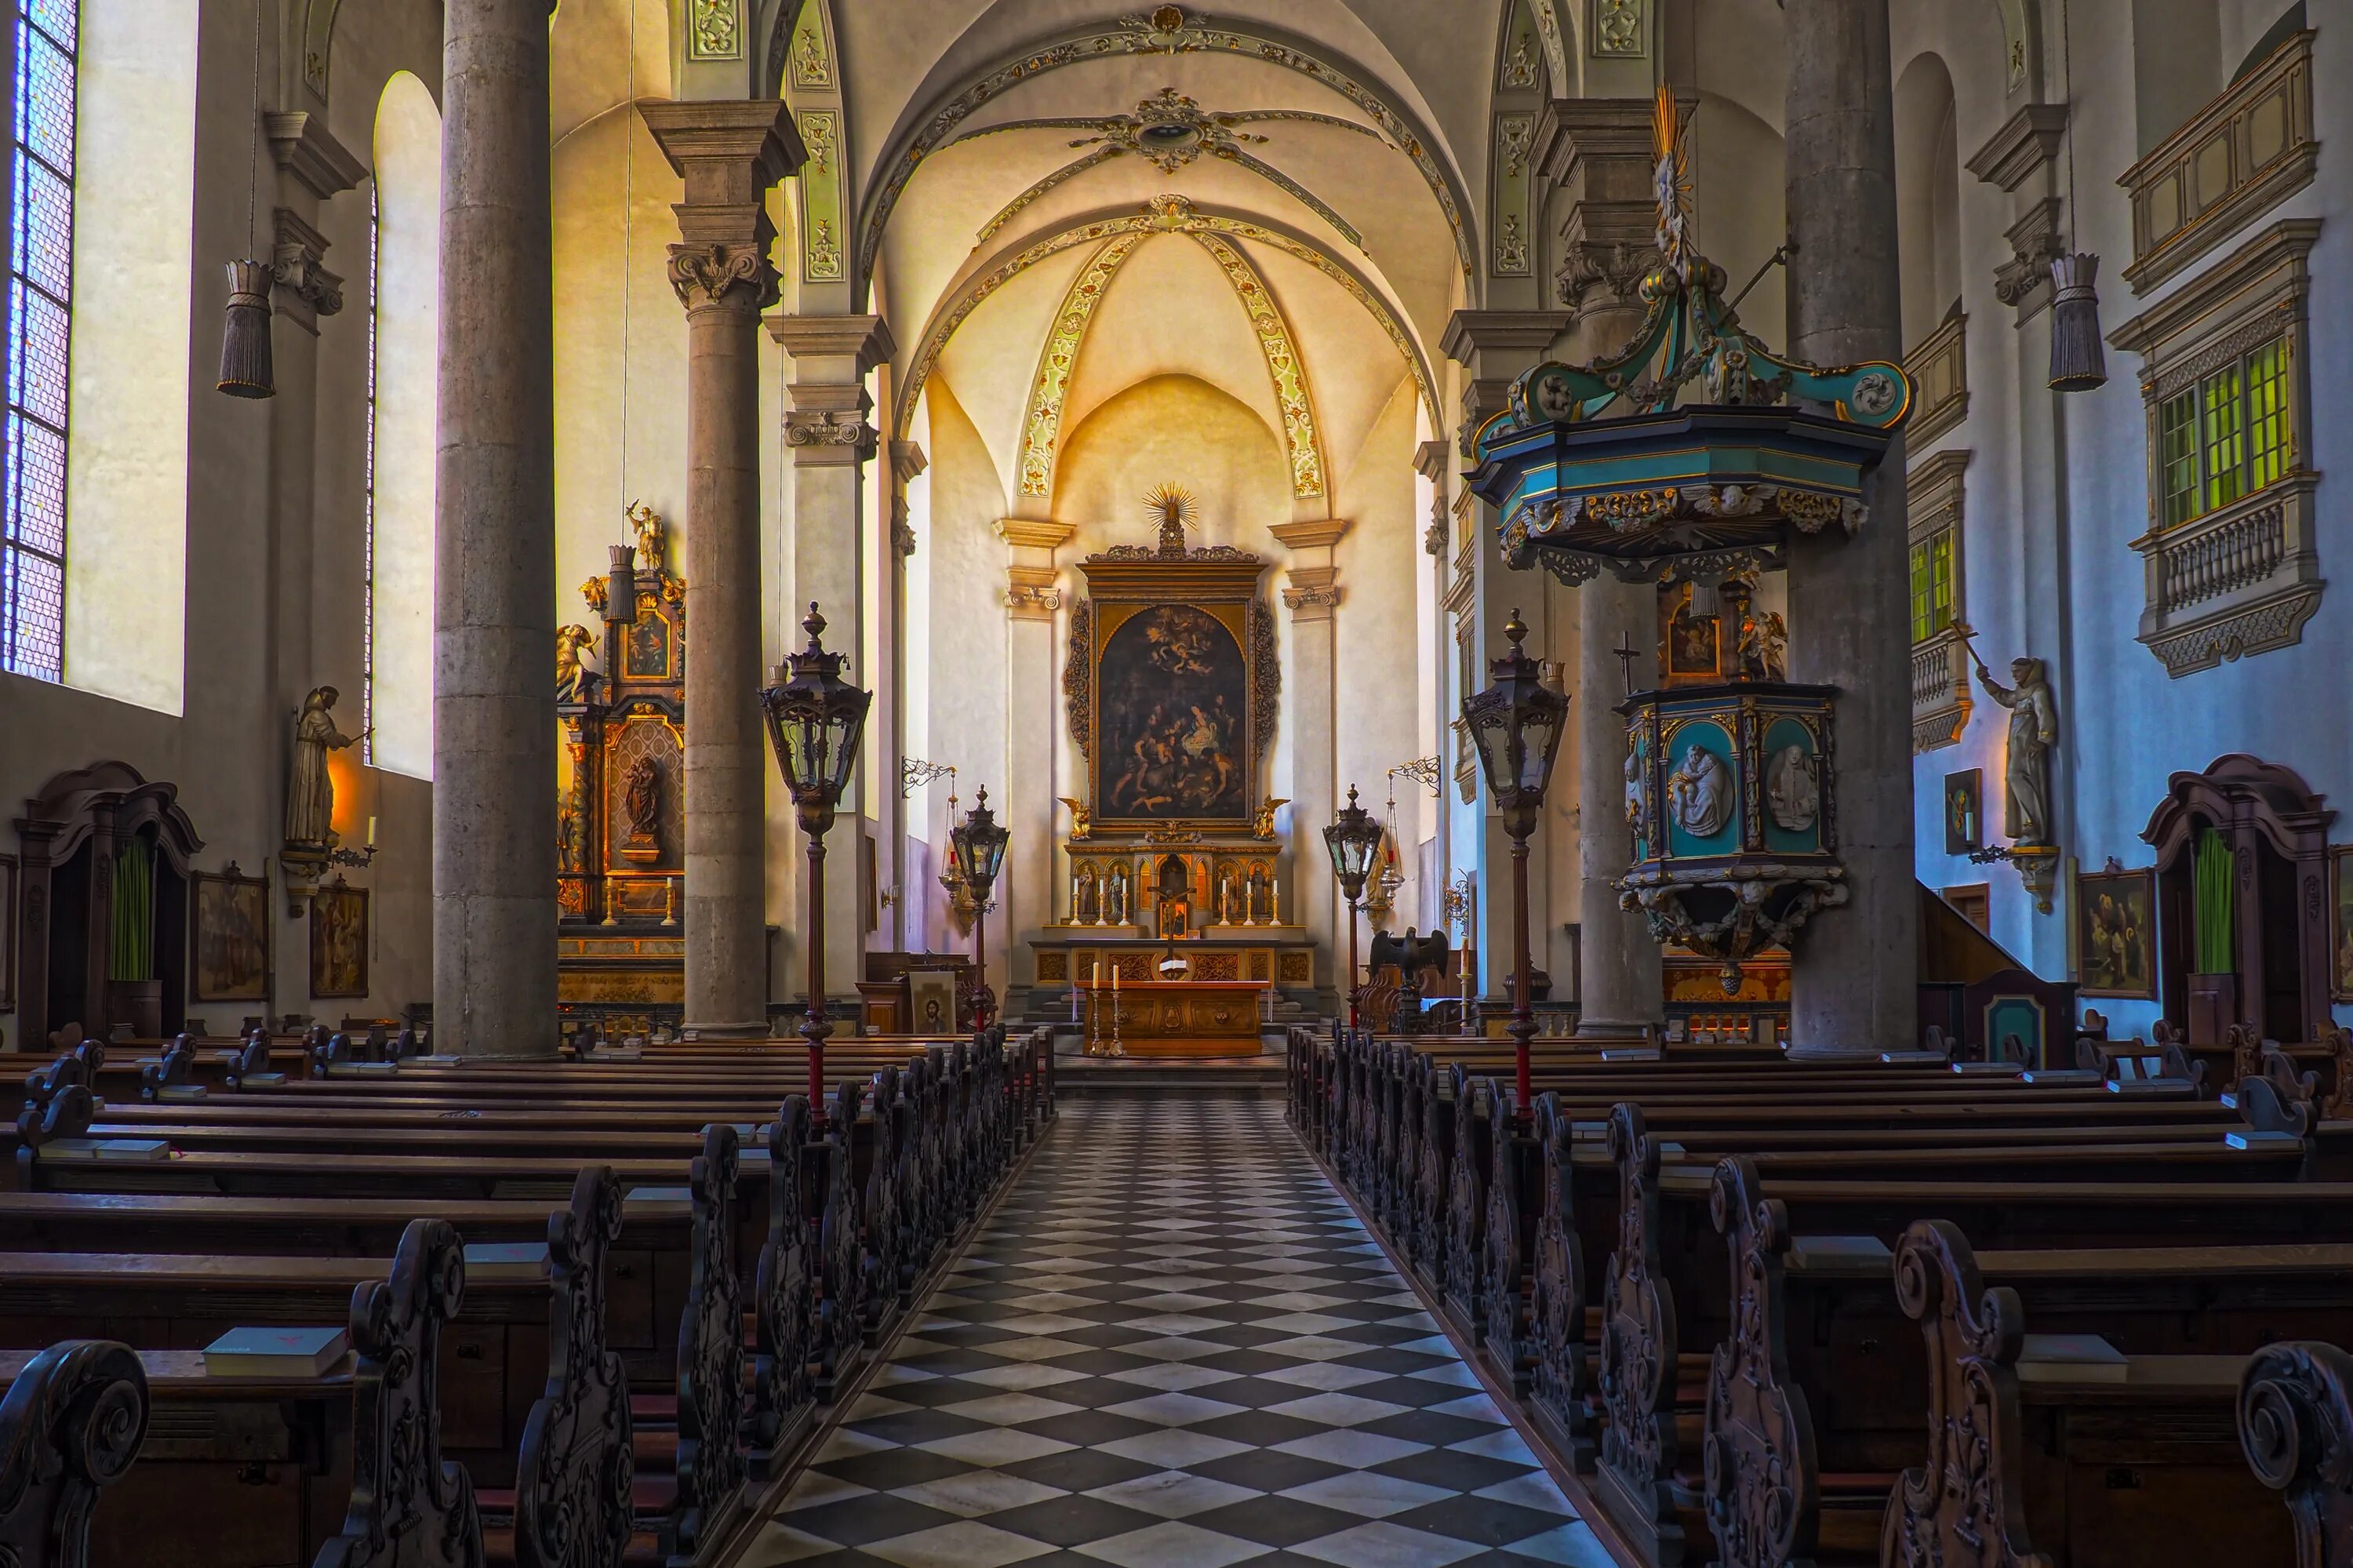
[[1175, 698], [232, 937]]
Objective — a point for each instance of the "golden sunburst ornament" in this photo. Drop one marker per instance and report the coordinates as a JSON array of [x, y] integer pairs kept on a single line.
[[1171, 506], [1670, 184]]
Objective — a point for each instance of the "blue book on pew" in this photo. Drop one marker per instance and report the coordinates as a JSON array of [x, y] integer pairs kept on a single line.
[[506, 1260], [276, 1352]]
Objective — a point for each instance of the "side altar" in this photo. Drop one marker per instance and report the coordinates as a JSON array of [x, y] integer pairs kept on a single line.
[[1171, 687], [620, 810]]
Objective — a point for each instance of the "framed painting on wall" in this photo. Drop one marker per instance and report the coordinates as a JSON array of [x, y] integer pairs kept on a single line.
[[338, 941], [2340, 926], [1965, 811], [231, 936], [2116, 934]]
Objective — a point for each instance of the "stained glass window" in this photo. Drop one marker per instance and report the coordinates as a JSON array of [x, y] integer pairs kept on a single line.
[[1932, 584], [39, 315]]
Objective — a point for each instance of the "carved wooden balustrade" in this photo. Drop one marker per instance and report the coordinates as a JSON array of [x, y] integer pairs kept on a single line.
[[409, 1506], [2296, 1426], [839, 1345], [575, 1478], [1562, 1375], [74, 1420], [711, 1353], [784, 1295], [1515, 1164], [1434, 1175], [1639, 1350], [877, 1286], [1761, 1476], [1967, 1503], [1466, 1202]]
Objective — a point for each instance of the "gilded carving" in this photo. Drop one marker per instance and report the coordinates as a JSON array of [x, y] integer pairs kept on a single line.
[[1266, 684], [1283, 365], [1078, 676], [1058, 362]]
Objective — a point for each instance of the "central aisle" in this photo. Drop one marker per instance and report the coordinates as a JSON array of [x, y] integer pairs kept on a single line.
[[1175, 1345]]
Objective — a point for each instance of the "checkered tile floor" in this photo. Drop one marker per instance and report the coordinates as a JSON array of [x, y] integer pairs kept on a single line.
[[1175, 1347]]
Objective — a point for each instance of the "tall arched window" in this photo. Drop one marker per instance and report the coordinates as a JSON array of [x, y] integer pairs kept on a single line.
[[40, 313], [405, 329]]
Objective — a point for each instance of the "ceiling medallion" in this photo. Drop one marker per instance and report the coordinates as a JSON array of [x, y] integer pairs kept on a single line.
[[1170, 130]]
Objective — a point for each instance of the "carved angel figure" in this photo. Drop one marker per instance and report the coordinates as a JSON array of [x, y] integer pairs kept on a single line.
[[1764, 646], [1263, 821], [649, 525], [571, 641], [309, 791], [1793, 790], [1081, 820], [1699, 792], [1638, 797]]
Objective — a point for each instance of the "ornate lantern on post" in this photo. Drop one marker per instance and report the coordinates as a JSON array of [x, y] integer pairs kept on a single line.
[[815, 721], [1516, 723], [1351, 840], [978, 844]]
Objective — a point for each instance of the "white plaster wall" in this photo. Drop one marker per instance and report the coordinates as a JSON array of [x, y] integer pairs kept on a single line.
[[408, 336]]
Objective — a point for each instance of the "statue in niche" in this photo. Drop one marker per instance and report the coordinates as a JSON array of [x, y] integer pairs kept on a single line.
[[1088, 905], [309, 791], [1764, 646], [1230, 888], [1793, 789], [641, 804], [2033, 731], [1699, 792], [1115, 903], [571, 679], [1256, 903]]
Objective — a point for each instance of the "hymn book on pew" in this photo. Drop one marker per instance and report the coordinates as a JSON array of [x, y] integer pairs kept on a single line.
[[276, 1352], [506, 1260]]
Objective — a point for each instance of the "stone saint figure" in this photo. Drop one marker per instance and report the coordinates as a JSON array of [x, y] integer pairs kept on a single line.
[[641, 797], [310, 793], [2033, 731], [1699, 792]]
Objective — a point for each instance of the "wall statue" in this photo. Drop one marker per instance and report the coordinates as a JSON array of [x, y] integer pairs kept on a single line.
[[1793, 790], [1764, 646], [309, 792], [1115, 904], [641, 803], [1262, 820], [571, 641], [1699, 792], [1638, 798], [2033, 731]]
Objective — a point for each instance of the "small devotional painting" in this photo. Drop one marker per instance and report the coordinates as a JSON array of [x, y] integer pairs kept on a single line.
[[339, 942], [2116, 934], [232, 936], [1964, 812], [1175, 705]]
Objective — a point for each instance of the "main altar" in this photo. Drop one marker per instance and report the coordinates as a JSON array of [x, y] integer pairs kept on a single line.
[[1171, 688]]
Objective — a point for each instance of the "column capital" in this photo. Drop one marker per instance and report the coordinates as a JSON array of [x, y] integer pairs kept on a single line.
[[306, 290], [1312, 594], [303, 148], [1031, 593], [833, 348], [718, 275]]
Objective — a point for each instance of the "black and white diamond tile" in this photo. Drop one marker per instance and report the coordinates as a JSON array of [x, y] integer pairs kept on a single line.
[[1174, 1347]]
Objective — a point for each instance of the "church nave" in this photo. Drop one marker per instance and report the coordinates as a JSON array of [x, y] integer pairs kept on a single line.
[[1173, 1343]]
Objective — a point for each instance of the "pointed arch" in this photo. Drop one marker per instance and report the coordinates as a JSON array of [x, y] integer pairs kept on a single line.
[[1283, 366], [1041, 429]]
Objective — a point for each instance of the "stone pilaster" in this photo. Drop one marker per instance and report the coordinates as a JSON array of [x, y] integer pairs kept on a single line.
[[494, 592], [1034, 740], [729, 154], [1495, 346], [1848, 609], [829, 432], [1312, 593]]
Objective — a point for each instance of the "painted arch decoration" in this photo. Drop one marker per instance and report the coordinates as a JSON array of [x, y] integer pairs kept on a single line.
[[1041, 429], [1167, 214], [1283, 365], [1168, 31]]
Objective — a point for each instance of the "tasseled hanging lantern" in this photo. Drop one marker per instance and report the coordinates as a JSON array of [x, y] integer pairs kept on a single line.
[[246, 369], [2077, 363]]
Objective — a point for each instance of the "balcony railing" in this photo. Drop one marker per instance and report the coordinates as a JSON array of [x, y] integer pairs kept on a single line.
[[1940, 690], [2243, 580], [1940, 366]]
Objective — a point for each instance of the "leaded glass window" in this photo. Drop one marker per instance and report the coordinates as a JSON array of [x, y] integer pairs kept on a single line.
[[1932, 584], [2226, 437], [39, 314]]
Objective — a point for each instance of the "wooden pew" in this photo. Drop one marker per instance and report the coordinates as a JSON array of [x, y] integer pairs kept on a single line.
[[2295, 1427], [75, 1418]]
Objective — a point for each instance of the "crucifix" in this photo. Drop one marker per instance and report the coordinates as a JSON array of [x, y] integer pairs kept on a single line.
[[1625, 662]]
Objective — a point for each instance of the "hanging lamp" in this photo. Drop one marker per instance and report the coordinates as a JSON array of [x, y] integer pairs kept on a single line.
[[246, 369]]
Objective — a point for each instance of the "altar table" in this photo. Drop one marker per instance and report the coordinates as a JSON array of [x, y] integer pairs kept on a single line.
[[1178, 1018]]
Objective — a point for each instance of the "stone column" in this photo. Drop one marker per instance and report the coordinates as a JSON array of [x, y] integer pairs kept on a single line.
[[1598, 153], [730, 154], [1026, 888], [1849, 610], [1312, 593], [831, 440], [494, 583]]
